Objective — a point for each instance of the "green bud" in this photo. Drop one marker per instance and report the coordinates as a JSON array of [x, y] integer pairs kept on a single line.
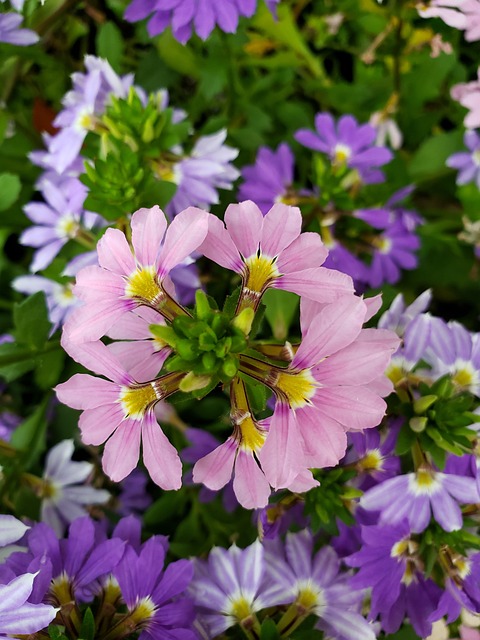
[[186, 349], [418, 424], [221, 349], [230, 367], [238, 345], [423, 403], [219, 324], [209, 362], [183, 325], [192, 382], [165, 334], [244, 320], [203, 310], [207, 341]]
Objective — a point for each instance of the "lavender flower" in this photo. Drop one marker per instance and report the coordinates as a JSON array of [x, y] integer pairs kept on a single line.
[[8, 423], [468, 163], [12, 34], [11, 530], [17, 615], [64, 494], [374, 458], [462, 588], [134, 497], [347, 144], [59, 297], [399, 315]]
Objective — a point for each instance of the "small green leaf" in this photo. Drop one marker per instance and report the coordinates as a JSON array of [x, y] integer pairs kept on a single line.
[[29, 437], [10, 186], [31, 321], [110, 44], [269, 630], [87, 630]]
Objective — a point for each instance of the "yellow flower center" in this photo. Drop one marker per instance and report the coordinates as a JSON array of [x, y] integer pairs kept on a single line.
[[136, 400], [463, 377], [399, 548], [372, 461], [307, 598], [67, 227], [342, 154], [298, 388], [396, 373], [252, 438], [260, 271], [143, 285], [143, 611], [241, 609]]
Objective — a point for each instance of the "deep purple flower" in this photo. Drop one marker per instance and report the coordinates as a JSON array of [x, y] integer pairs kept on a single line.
[[467, 163], [341, 258], [268, 180], [374, 457], [154, 595], [462, 588], [347, 144], [12, 34], [399, 315], [186, 16], [390, 567]]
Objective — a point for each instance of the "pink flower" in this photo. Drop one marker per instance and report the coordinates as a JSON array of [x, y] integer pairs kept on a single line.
[[460, 14], [270, 251], [120, 411], [126, 280], [468, 95]]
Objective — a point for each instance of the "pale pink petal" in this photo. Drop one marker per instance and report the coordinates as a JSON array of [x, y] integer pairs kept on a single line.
[[160, 456], [93, 320], [244, 222], [281, 226], [319, 284], [86, 392], [215, 469], [374, 305], [183, 236], [281, 456], [122, 450], [308, 311], [219, 246], [139, 359], [98, 358], [95, 283], [250, 484], [354, 407], [382, 386], [303, 482], [325, 441], [305, 252], [148, 229], [335, 327], [114, 252], [96, 425]]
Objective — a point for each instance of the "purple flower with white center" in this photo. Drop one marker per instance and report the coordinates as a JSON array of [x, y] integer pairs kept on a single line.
[[315, 585], [64, 494], [134, 498], [269, 179], [154, 595], [399, 315], [347, 144], [416, 496], [8, 423], [349, 539], [56, 221], [188, 16], [462, 588], [276, 519], [229, 588], [389, 566], [467, 162], [416, 340], [11, 33], [198, 176], [374, 458], [17, 615], [59, 297], [339, 257], [11, 530]]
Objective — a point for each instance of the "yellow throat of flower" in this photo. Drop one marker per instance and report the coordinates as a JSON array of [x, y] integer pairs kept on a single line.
[[136, 400], [143, 285], [260, 271], [298, 388]]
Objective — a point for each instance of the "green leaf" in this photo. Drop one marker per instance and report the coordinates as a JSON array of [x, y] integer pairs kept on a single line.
[[31, 321], [10, 186], [29, 437], [48, 368], [110, 44], [269, 630], [429, 160], [15, 360], [87, 630], [281, 307], [166, 507]]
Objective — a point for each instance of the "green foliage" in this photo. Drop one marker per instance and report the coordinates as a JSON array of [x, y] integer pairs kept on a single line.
[[9, 190]]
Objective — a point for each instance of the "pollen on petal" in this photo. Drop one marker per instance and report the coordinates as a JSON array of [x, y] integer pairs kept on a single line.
[[143, 285], [136, 400]]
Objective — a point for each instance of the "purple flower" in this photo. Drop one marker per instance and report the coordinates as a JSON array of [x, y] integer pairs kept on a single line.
[[374, 458], [199, 175], [390, 567], [155, 596], [341, 258], [462, 588], [11, 530], [8, 423], [347, 144], [134, 497], [468, 163], [399, 315], [17, 615], [269, 179], [315, 585], [186, 16], [10, 32], [416, 495]]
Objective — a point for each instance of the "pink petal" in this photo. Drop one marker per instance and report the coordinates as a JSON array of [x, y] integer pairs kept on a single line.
[[325, 441], [374, 305], [336, 326], [122, 450], [160, 456], [319, 284], [97, 357], [244, 222], [135, 325], [250, 484], [304, 252], [148, 229], [219, 246], [139, 358], [215, 469], [183, 236], [303, 482], [354, 407], [281, 226], [86, 392], [96, 425], [282, 456], [94, 283], [114, 253], [93, 320]]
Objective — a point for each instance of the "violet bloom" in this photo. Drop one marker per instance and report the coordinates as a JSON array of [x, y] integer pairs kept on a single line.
[[340, 258], [269, 179], [468, 163], [398, 316], [198, 175], [374, 458], [416, 496], [347, 144], [316, 586], [186, 16], [56, 221], [11, 530], [17, 615], [59, 297], [462, 588], [133, 496], [389, 566], [8, 423], [64, 494], [12, 34], [154, 595]]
